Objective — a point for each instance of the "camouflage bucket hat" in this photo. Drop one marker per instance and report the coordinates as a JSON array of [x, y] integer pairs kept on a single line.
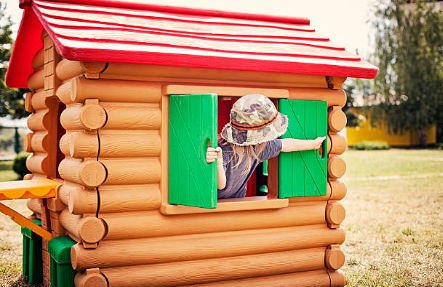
[[254, 120]]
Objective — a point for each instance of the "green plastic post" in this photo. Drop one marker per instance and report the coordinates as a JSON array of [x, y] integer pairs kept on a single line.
[[62, 273], [32, 255]]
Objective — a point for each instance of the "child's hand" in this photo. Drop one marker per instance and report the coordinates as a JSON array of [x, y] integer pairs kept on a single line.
[[214, 153], [318, 141]]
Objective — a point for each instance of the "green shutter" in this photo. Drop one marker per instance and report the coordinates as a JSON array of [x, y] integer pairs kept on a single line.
[[192, 125], [303, 173]]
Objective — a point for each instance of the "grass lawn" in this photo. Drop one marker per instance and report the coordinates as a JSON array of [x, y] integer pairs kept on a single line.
[[394, 227], [394, 209]]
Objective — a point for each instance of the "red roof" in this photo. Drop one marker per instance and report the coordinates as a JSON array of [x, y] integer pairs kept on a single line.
[[135, 32]]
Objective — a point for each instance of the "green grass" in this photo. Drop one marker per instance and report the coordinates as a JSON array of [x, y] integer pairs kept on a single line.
[[394, 227], [6, 172]]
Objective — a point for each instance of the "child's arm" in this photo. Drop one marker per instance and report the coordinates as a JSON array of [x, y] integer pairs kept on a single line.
[[289, 145], [211, 155]]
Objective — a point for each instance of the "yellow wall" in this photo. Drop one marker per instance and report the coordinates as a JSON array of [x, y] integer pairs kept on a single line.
[[368, 133]]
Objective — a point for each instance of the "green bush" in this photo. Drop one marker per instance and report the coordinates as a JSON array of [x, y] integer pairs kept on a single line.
[[19, 165], [372, 145]]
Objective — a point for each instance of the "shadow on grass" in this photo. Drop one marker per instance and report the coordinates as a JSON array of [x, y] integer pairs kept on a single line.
[[5, 165], [22, 281]]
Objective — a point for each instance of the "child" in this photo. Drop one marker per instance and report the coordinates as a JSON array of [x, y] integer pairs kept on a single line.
[[250, 138]]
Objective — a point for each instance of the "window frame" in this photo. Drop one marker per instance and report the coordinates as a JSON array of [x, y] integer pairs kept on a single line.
[[223, 205]]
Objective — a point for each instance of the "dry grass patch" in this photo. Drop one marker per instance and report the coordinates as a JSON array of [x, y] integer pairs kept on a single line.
[[394, 227]]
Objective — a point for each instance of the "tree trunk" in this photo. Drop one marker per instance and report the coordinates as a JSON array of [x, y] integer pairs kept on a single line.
[[421, 132], [439, 138]]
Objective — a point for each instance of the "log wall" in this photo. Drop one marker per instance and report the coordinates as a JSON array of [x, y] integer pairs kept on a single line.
[[115, 181]]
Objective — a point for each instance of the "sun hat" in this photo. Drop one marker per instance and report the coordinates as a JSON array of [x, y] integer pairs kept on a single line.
[[254, 120]]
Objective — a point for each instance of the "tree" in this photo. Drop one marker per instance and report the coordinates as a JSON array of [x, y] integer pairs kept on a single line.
[[409, 54], [11, 100]]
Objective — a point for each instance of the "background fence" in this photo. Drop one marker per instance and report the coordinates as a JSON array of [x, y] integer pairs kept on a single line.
[[11, 141]]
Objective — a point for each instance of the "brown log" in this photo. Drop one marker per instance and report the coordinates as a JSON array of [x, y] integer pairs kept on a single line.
[[210, 270], [115, 198], [78, 117], [123, 116], [152, 223], [168, 73], [28, 103], [39, 121], [336, 119], [38, 163], [65, 190], [336, 167], [335, 214], [336, 144], [125, 144], [91, 230], [64, 93], [28, 176], [39, 141], [38, 100], [67, 69], [34, 204], [89, 278], [89, 173], [332, 97], [112, 91], [36, 80], [37, 61], [27, 142], [65, 143], [335, 82], [338, 279], [70, 222], [338, 189], [206, 246], [334, 257], [132, 170], [318, 278]]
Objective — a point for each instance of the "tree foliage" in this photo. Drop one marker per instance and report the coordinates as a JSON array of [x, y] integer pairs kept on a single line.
[[11, 100], [409, 54]]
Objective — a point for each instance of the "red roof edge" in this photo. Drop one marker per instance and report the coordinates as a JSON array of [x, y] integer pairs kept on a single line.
[[192, 11], [27, 44]]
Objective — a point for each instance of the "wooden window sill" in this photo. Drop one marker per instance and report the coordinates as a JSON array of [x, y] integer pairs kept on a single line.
[[229, 204]]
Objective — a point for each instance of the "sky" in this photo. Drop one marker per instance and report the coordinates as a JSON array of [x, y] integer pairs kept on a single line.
[[345, 22]]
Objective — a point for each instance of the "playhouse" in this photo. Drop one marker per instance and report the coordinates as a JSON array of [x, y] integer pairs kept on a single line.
[[126, 97]]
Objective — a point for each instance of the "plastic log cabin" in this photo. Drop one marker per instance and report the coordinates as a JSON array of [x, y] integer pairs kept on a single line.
[[125, 99]]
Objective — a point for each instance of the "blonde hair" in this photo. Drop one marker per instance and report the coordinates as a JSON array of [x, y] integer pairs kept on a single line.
[[241, 152]]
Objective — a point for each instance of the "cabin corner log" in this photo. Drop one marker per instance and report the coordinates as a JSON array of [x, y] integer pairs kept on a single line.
[[337, 144], [112, 90], [336, 167], [338, 278], [88, 279], [335, 214], [34, 205], [89, 173], [78, 116], [36, 80], [87, 229], [115, 198], [38, 100], [38, 59], [210, 270], [334, 257], [152, 223], [67, 69], [206, 246], [38, 163], [40, 120], [336, 119]]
